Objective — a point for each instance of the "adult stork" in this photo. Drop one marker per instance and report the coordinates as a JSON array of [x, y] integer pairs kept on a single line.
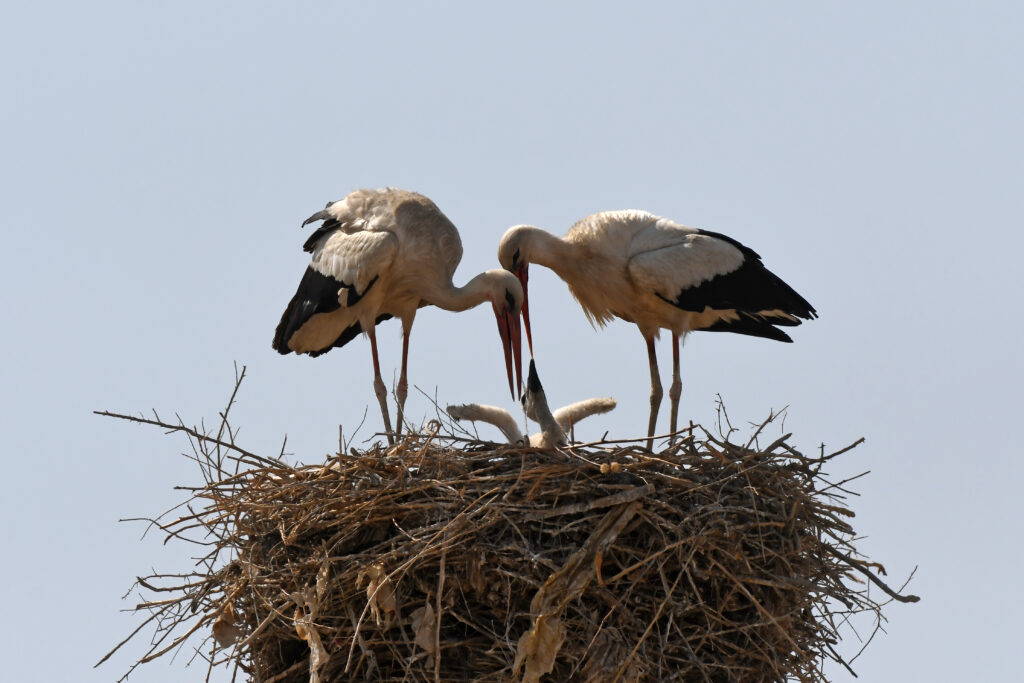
[[385, 253], [658, 274]]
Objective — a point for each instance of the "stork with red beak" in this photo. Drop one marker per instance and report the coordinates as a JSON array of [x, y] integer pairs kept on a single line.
[[381, 254], [658, 274]]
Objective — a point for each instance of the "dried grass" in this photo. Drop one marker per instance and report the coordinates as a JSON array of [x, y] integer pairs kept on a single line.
[[440, 559]]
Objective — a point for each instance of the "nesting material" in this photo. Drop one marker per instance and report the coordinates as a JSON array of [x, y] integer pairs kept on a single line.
[[441, 560]]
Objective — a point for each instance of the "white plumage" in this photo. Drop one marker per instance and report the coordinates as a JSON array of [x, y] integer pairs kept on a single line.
[[554, 425], [658, 274], [381, 254]]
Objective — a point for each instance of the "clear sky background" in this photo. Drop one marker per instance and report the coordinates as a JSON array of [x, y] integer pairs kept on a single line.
[[157, 161]]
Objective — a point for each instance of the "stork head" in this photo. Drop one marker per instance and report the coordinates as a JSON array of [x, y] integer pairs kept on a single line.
[[534, 393], [508, 301], [514, 256]]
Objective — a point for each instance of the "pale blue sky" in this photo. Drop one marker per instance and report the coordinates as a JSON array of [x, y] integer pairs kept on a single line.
[[157, 162]]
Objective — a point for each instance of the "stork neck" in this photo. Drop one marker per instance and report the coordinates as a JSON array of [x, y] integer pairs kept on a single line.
[[554, 252], [473, 293], [549, 426]]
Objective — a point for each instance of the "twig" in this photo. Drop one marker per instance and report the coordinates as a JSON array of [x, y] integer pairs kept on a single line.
[[874, 579], [191, 432]]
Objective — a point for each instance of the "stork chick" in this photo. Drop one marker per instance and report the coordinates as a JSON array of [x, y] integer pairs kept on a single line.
[[553, 425], [535, 403]]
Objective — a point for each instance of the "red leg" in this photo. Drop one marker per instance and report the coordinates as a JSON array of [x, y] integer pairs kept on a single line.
[[379, 388], [403, 385], [656, 392], [676, 389]]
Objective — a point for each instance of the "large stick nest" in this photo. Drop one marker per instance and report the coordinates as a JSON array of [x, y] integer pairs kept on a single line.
[[439, 559]]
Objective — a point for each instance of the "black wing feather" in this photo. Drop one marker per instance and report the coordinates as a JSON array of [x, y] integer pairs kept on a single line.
[[317, 293], [753, 326], [750, 288], [329, 226]]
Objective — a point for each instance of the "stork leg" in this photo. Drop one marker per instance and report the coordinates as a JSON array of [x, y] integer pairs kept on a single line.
[[656, 392], [403, 386], [379, 388], [675, 390]]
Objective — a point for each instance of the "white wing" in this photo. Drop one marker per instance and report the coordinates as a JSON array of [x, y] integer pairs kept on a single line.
[[574, 412], [355, 259], [499, 417], [667, 258]]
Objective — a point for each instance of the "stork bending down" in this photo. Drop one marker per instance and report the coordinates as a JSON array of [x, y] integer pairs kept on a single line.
[[658, 274], [381, 254]]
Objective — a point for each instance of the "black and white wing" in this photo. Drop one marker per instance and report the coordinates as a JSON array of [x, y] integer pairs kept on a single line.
[[696, 270], [355, 213], [349, 256]]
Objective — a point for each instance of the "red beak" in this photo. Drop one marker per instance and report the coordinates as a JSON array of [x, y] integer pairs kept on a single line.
[[512, 341], [523, 276]]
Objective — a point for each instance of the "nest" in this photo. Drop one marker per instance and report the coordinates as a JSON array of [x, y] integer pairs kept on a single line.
[[446, 560]]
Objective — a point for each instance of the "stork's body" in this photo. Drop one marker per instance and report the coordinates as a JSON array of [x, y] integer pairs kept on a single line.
[[658, 274], [383, 254]]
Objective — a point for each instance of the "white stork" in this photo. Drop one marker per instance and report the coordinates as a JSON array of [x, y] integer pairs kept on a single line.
[[554, 426], [381, 254], [658, 274]]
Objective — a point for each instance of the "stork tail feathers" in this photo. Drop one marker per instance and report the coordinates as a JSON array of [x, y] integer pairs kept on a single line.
[[754, 326]]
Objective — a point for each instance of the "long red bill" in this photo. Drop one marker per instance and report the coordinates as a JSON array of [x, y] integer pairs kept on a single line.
[[511, 341], [524, 276], [517, 350]]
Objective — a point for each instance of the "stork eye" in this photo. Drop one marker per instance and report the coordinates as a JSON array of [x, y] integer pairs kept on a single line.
[[511, 300], [515, 259]]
